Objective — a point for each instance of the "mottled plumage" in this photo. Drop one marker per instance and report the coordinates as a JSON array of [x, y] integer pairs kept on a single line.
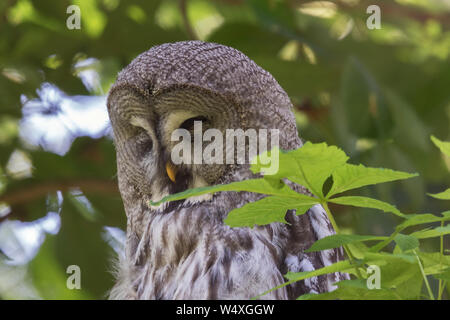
[[183, 250]]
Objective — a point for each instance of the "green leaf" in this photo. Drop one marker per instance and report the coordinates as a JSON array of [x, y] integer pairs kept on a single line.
[[384, 257], [358, 249], [444, 275], [442, 196], [265, 186], [313, 296], [308, 166], [335, 267], [267, 210], [262, 163], [434, 262], [432, 233], [298, 276], [356, 283], [357, 289], [416, 219], [443, 146], [337, 240], [351, 176], [402, 276], [365, 202], [315, 163], [352, 290], [406, 242]]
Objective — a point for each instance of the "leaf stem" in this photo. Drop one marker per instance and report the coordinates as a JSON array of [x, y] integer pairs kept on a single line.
[[441, 256], [430, 293], [336, 229], [384, 243]]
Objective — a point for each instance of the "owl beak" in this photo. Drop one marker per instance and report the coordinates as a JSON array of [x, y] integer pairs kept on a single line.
[[171, 170]]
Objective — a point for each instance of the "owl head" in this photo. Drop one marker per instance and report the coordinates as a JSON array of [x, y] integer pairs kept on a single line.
[[186, 86]]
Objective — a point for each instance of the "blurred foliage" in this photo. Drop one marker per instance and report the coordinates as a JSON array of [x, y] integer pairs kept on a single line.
[[378, 94]]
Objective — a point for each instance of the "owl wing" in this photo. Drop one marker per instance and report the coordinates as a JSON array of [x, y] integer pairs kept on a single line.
[[304, 230]]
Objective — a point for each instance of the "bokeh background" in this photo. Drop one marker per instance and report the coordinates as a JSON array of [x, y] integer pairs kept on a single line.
[[378, 94]]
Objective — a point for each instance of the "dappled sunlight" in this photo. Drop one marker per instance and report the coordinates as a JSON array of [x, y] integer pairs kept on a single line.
[[54, 120], [20, 241], [19, 165]]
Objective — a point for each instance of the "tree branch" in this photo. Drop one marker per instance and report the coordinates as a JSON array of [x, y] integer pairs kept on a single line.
[[187, 24], [40, 190]]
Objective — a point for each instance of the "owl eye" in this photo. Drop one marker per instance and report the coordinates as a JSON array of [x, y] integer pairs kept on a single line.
[[189, 123], [144, 143]]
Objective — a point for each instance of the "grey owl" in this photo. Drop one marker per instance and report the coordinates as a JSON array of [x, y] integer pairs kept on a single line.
[[183, 249]]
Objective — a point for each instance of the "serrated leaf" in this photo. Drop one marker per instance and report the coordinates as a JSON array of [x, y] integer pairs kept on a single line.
[[349, 292], [337, 240], [443, 146], [312, 296], [267, 210], [262, 163], [358, 249], [366, 202], [356, 283], [389, 257], [432, 233], [434, 262], [402, 276], [335, 267], [406, 242], [309, 165], [445, 195], [444, 275], [316, 162], [298, 276], [351, 176], [416, 219], [264, 186]]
